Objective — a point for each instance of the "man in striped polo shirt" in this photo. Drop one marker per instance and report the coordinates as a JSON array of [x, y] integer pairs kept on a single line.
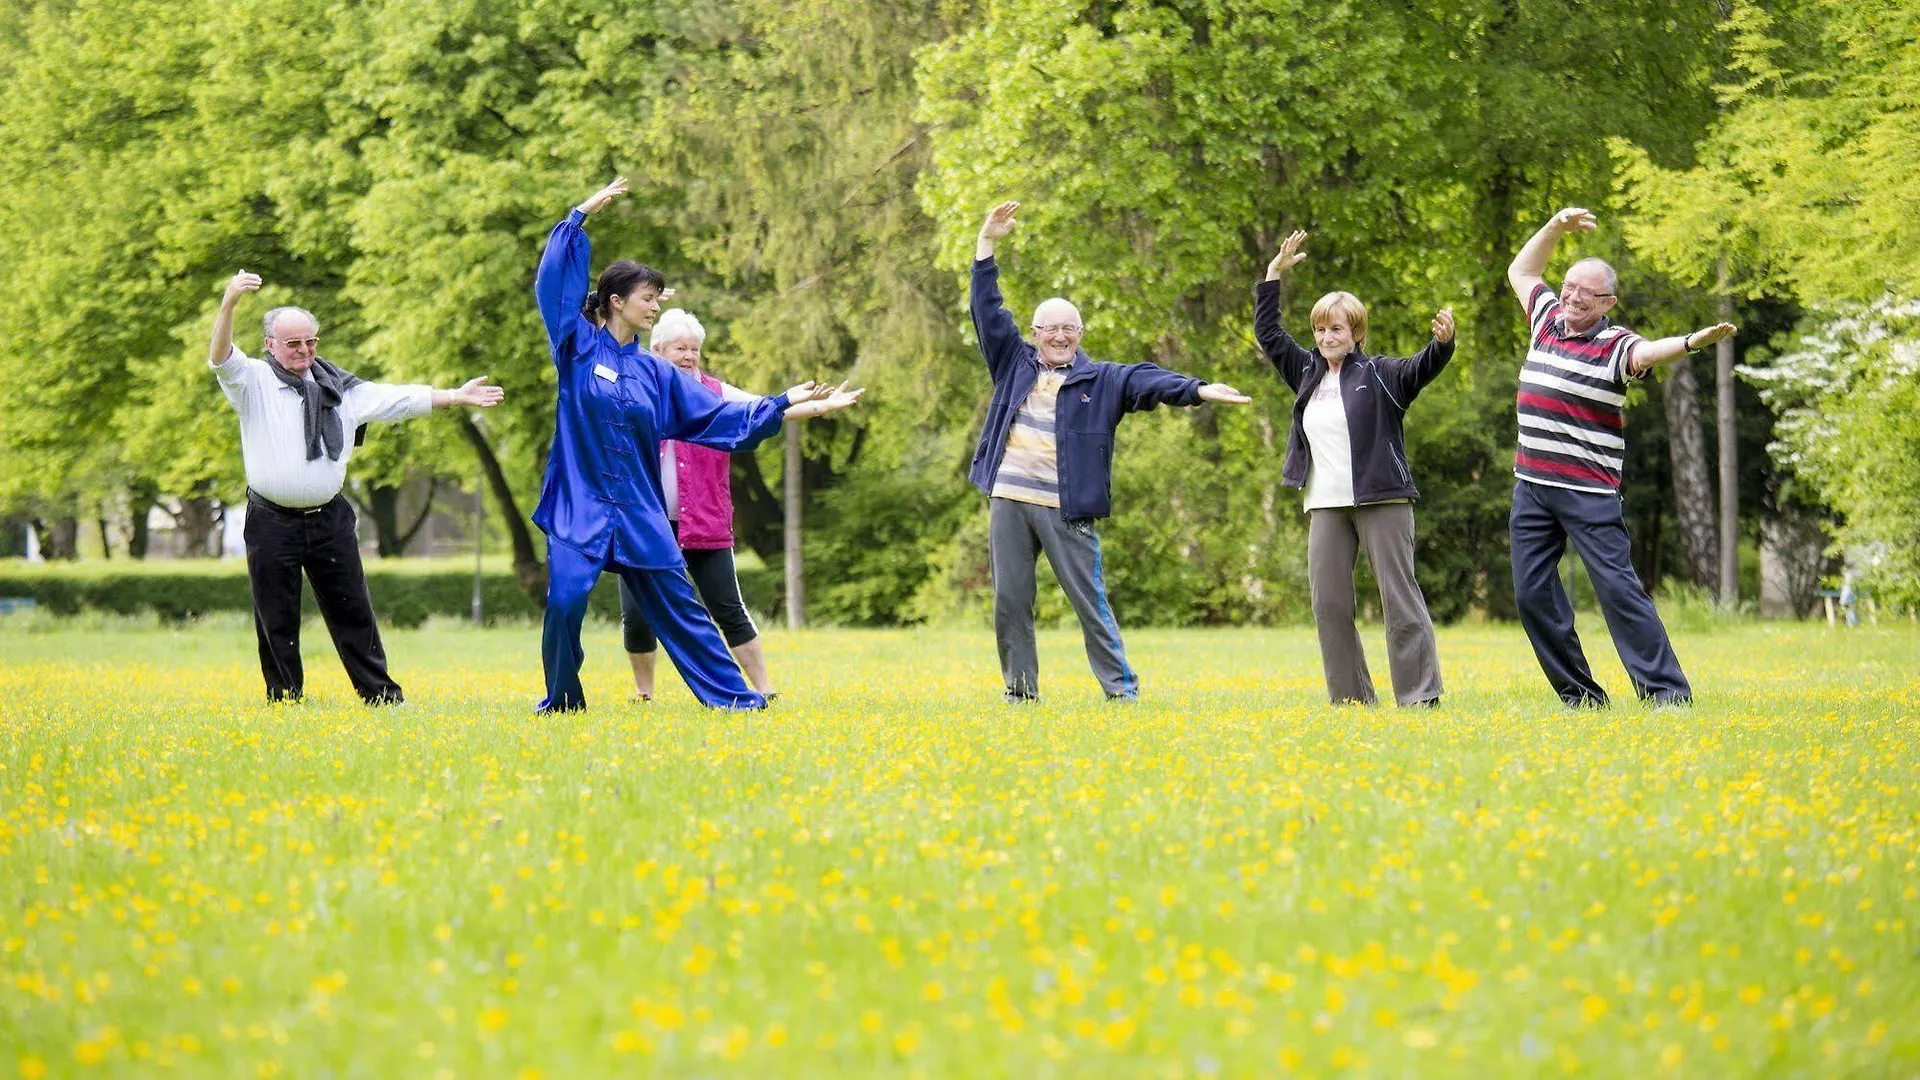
[[1568, 470]]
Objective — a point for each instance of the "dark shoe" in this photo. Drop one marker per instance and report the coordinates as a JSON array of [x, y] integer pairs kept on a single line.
[[771, 696], [1123, 698], [1012, 698], [1426, 703], [642, 699]]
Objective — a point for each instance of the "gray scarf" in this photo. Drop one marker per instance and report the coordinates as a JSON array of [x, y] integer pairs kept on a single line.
[[320, 399]]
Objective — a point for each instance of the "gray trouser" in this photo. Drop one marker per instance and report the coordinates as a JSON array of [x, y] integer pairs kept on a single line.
[[1386, 532], [1016, 533]]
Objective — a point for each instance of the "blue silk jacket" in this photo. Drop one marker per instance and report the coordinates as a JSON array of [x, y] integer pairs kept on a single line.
[[602, 493]]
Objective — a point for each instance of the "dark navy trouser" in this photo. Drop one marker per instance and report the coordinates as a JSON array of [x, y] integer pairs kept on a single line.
[[1544, 519]]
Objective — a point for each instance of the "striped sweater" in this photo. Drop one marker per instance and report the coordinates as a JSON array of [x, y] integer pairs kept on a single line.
[[1571, 392], [1030, 470]]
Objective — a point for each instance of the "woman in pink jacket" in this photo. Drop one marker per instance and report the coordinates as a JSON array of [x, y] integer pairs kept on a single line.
[[699, 500]]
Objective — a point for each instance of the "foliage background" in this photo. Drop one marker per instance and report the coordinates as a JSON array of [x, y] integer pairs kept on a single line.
[[810, 176]]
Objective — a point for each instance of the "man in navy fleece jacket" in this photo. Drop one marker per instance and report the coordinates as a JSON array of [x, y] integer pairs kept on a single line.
[[1045, 461]]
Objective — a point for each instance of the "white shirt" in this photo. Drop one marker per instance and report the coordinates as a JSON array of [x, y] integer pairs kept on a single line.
[[1330, 471], [670, 462], [273, 434]]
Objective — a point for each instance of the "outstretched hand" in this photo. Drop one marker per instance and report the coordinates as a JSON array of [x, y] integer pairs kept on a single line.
[[1290, 255], [1718, 332], [1222, 394], [1443, 325], [478, 393], [239, 285], [807, 391], [838, 398], [999, 221], [604, 196], [1575, 219]]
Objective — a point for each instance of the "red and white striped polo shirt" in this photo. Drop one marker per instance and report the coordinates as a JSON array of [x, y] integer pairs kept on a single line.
[[1571, 391]]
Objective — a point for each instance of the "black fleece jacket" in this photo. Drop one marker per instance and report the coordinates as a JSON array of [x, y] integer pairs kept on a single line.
[[1376, 391]]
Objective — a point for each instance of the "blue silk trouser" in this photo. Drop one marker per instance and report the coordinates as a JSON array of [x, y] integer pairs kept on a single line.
[[672, 609]]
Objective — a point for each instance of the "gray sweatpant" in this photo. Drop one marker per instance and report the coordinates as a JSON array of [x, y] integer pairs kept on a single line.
[[1386, 532], [1016, 533]]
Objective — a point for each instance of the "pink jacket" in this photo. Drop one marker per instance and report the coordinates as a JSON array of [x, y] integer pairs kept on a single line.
[[706, 491]]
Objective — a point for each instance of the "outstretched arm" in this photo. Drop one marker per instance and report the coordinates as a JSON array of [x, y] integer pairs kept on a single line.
[[1287, 356], [1149, 385], [566, 266], [1647, 355], [241, 284], [690, 412], [1528, 269]]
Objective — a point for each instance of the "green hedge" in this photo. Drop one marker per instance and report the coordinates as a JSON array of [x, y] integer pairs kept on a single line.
[[405, 591]]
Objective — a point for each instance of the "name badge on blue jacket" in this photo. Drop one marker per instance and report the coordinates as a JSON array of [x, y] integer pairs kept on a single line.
[[605, 372]]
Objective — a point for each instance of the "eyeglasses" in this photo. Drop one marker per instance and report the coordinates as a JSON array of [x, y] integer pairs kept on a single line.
[[1059, 328], [1581, 292], [295, 343]]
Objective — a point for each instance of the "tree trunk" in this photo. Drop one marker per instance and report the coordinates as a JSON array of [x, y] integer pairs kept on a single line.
[[795, 493], [139, 505], [1729, 461], [59, 538], [1692, 488], [383, 509], [757, 512], [527, 567], [199, 525], [106, 536], [1791, 562]]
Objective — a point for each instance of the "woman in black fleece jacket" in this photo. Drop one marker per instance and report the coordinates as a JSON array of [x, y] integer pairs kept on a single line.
[[1348, 452]]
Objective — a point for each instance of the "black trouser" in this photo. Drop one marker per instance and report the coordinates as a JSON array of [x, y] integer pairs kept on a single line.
[[719, 587], [322, 541]]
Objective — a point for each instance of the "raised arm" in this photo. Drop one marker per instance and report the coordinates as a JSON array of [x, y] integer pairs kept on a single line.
[[1287, 356], [1411, 375], [239, 285], [566, 270], [1528, 269], [993, 327]]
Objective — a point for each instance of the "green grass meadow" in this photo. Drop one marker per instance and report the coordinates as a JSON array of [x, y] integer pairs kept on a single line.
[[891, 873]]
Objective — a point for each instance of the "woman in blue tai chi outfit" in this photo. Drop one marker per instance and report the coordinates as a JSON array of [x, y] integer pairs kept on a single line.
[[600, 504]]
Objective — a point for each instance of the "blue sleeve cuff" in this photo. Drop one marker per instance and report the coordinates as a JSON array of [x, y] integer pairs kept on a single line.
[[783, 401], [576, 216]]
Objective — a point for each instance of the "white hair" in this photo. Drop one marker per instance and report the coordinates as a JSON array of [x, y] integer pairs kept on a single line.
[[273, 317], [1059, 306], [676, 324], [1606, 268]]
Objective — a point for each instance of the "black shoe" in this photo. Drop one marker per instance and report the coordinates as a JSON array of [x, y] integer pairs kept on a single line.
[[642, 699], [1013, 698], [1427, 703], [771, 696]]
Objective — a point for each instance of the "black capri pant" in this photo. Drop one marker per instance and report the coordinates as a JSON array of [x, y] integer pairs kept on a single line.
[[719, 589]]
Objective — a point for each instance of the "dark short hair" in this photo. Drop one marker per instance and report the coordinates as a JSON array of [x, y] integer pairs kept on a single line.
[[620, 278]]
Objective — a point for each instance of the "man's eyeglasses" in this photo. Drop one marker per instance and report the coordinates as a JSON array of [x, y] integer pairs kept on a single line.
[[1059, 328], [1581, 292], [295, 343]]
